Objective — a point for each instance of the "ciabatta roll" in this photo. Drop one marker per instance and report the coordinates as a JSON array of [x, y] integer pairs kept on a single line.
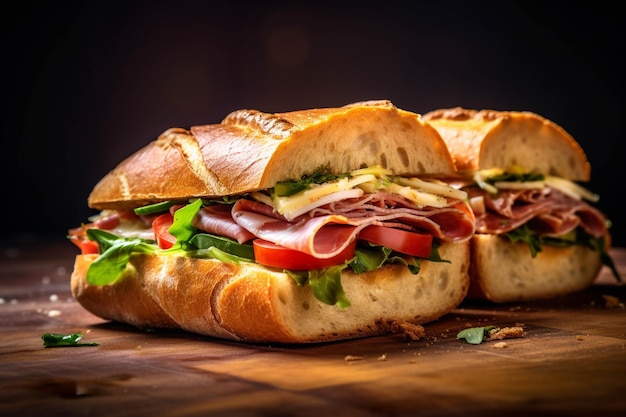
[[538, 234], [299, 227]]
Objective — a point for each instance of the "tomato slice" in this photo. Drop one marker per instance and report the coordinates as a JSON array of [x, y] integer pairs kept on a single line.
[[410, 243], [85, 245], [161, 225], [270, 254]]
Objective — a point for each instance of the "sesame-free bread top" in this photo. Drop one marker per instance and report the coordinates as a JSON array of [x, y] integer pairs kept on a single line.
[[483, 139], [250, 150]]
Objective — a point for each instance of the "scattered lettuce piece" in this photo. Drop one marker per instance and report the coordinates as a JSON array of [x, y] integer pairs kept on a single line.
[[64, 340], [474, 335]]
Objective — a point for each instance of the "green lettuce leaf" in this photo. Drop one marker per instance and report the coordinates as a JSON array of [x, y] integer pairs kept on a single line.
[[578, 236], [114, 256], [474, 335], [64, 340]]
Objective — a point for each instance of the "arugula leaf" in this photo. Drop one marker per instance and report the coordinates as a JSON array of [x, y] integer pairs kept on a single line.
[[111, 263], [474, 335], [526, 235], [369, 259], [181, 228], [375, 256], [326, 285], [64, 340]]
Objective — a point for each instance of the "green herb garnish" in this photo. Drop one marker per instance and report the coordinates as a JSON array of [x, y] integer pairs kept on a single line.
[[64, 340], [474, 335], [287, 188]]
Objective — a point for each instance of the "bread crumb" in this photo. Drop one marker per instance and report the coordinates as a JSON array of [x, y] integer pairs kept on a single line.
[[505, 333], [54, 313], [499, 345], [411, 332], [382, 357], [610, 301], [351, 358]]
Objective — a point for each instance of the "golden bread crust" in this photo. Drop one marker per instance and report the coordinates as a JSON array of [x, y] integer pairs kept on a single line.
[[503, 272], [250, 150], [249, 302], [482, 139]]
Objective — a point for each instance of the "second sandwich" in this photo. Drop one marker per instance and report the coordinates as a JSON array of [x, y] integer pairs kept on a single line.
[[538, 233]]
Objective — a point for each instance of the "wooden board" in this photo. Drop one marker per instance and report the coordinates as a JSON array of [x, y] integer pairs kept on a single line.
[[571, 361]]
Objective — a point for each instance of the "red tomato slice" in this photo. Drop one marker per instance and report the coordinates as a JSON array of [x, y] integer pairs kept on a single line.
[[270, 254], [410, 243], [161, 225], [85, 245]]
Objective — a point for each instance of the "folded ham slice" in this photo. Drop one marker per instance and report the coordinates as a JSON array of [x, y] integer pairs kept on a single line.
[[546, 211], [325, 231]]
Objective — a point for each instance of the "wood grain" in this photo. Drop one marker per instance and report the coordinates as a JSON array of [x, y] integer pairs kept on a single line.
[[571, 361]]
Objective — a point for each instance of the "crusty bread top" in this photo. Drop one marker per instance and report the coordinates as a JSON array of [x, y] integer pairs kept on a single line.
[[250, 150], [501, 139]]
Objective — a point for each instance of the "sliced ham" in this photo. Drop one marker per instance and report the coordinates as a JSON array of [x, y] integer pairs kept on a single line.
[[217, 219], [546, 211], [327, 230]]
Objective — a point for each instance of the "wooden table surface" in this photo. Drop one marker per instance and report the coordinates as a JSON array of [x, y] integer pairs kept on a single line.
[[571, 361]]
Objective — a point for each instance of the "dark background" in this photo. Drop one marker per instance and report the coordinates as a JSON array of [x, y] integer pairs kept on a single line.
[[87, 83]]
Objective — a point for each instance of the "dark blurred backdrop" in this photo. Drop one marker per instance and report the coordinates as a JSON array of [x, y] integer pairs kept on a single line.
[[87, 83]]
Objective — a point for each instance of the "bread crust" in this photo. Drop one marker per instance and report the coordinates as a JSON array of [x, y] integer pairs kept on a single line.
[[482, 139], [249, 302], [504, 272], [250, 150]]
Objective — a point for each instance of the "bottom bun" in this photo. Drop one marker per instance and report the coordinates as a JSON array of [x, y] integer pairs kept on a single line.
[[502, 271], [248, 302]]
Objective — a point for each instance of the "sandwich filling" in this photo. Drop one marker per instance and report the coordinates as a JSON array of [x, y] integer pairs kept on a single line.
[[538, 210], [312, 228]]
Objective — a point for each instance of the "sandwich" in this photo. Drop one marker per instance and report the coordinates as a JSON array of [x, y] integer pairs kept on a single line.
[[298, 227], [538, 232]]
